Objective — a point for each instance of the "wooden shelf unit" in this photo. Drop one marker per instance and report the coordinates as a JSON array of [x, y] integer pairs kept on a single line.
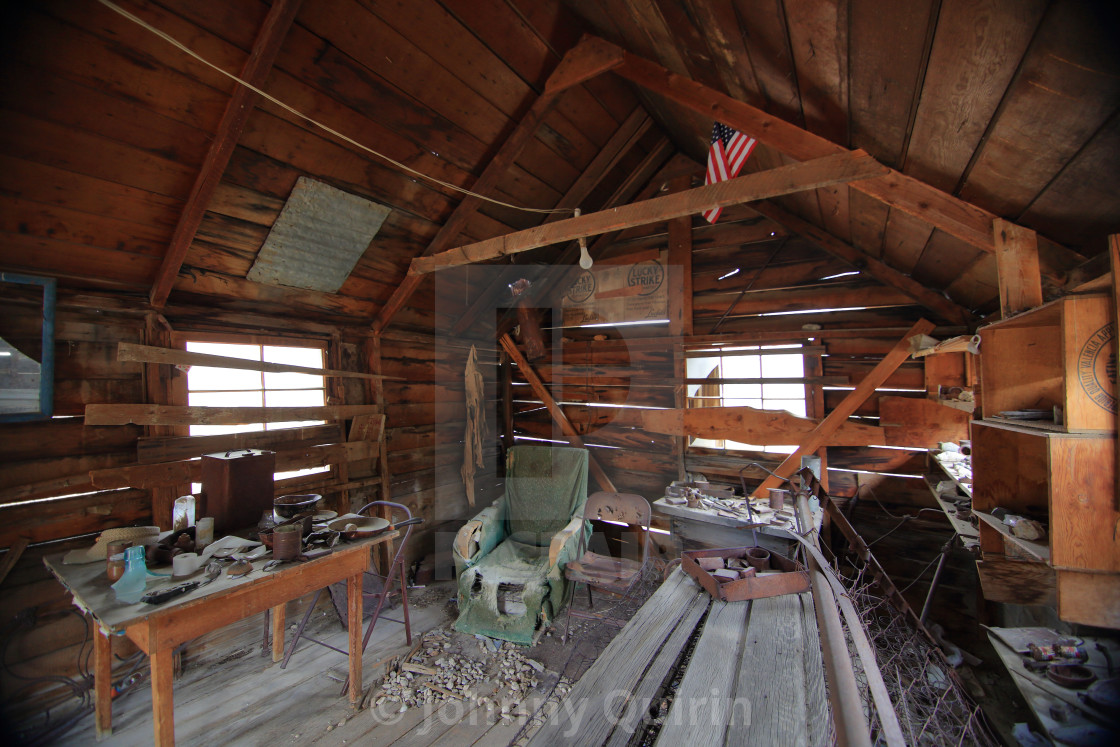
[[936, 473], [1066, 481], [1061, 472], [1056, 355]]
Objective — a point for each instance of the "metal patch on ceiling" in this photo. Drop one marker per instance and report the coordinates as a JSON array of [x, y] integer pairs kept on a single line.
[[320, 235]]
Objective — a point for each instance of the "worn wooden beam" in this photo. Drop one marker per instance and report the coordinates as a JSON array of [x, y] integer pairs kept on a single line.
[[569, 431], [882, 371], [127, 351], [179, 473], [1020, 281], [171, 415], [619, 144], [881, 271], [836, 169], [255, 71], [579, 61], [743, 424], [375, 392], [680, 261], [941, 210], [591, 57], [171, 448], [163, 385]]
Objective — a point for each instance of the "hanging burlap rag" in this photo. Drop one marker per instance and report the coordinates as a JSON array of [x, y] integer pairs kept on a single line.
[[476, 424]]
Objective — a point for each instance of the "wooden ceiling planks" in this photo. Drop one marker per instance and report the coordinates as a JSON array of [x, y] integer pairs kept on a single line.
[[818, 38], [1080, 201], [727, 50], [976, 50], [440, 83], [891, 42], [1067, 87], [767, 42], [926, 81]]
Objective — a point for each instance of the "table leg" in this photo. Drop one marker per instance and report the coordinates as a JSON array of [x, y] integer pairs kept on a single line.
[[278, 632], [354, 607], [102, 681], [163, 707]]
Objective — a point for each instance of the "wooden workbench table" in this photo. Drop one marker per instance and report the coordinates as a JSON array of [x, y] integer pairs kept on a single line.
[[158, 629]]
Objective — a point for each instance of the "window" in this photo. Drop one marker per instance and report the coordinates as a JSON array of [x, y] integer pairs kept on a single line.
[[231, 387], [766, 377]]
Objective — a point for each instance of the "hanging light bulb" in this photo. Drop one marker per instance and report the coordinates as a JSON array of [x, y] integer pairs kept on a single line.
[[585, 261], [584, 258]]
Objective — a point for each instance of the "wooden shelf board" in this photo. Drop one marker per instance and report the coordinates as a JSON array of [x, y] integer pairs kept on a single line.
[[1042, 425], [967, 532], [957, 404], [964, 488], [1034, 549]]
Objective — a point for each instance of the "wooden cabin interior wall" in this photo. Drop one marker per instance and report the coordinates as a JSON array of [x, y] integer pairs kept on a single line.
[[753, 284], [105, 130]]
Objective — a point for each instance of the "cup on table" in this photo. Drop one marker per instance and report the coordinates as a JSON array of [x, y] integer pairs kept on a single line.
[[287, 541]]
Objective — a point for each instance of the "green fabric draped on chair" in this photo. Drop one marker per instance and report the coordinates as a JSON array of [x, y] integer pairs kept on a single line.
[[510, 558]]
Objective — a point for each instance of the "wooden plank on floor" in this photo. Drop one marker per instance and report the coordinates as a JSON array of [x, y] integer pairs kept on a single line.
[[704, 709], [637, 708], [816, 696], [772, 674], [621, 666]]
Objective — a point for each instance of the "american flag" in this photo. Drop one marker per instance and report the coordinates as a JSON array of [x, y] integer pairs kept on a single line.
[[726, 157]]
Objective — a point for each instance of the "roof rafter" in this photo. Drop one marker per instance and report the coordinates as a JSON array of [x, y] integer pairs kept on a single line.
[[798, 177], [864, 262], [950, 214], [580, 57], [255, 71]]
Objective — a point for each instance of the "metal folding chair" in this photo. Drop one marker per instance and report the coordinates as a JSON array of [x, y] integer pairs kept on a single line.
[[394, 573], [610, 573]]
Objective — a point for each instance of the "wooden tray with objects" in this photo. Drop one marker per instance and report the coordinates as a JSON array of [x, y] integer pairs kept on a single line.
[[783, 576]]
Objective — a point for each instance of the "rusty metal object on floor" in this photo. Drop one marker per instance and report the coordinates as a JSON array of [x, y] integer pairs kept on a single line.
[[1070, 675]]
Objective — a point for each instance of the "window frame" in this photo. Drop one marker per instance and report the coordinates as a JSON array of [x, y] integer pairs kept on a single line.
[[810, 366], [181, 391]]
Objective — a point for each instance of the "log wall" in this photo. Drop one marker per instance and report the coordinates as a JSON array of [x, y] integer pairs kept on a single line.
[[748, 276]]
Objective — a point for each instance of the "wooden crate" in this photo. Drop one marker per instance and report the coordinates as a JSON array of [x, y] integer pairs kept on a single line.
[[1061, 354], [1066, 480]]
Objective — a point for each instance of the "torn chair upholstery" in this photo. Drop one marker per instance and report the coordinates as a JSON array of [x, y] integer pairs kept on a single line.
[[510, 558]]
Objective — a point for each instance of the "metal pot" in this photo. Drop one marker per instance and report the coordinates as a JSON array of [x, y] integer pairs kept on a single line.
[[287, 506]]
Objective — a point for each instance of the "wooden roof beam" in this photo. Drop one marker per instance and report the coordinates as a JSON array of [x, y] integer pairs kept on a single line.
[[836, 169], [255, 71], [862, 261], [624, 139], [581, 57], [840, 414], [941, 210]]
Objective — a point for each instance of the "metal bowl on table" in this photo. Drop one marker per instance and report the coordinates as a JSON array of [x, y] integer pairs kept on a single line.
[[288, 506]]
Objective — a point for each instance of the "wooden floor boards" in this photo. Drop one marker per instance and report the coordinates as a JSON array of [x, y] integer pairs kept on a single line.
[[754, 677], [590, 712]]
